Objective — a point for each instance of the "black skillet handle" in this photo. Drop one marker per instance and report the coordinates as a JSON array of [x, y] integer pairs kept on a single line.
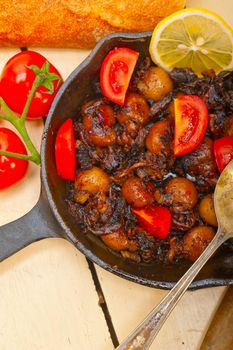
[[39, 223]]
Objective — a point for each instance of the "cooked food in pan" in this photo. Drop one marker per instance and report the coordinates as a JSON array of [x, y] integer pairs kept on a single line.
[[147, 169], [144, 156]]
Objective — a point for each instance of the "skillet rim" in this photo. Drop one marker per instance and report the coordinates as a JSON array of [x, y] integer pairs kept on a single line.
[[197, 284]]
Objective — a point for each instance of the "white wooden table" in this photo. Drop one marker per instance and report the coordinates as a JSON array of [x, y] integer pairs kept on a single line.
[[48, 298]]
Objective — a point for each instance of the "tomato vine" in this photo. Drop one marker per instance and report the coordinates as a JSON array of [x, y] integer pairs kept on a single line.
[[43, 78]]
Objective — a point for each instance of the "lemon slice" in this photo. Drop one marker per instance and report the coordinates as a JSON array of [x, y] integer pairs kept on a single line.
[[194, 38]]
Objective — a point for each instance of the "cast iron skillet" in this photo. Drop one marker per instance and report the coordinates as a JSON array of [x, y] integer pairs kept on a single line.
[[40, 223]]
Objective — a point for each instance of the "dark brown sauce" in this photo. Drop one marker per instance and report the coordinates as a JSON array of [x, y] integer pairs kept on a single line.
[[128, 156]]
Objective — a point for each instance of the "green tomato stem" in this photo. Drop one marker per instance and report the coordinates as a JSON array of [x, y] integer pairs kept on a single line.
[[43, 78], [16, 155], [37, 82], [4, 117], [8, 112], [19, 124]]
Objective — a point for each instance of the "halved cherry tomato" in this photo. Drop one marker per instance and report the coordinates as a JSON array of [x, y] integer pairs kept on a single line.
[[223, 151], [115, 73], [65, 151], [155, 219], [16, 82], [191, 121], [11, 169]]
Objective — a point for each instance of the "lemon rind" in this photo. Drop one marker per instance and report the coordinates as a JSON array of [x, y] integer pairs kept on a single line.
[[192, 11]]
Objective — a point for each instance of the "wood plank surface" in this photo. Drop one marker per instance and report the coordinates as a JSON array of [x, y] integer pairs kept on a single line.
[[47, 296], [129, 304], [222, 7], [48, 301]]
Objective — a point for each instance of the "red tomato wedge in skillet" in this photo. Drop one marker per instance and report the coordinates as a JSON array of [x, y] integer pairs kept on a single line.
[[223, 151], [115, 73], [65, 151], [191, 121], [155, 219]]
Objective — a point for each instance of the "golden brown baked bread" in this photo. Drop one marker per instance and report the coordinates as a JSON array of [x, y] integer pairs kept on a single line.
[[76, 23]]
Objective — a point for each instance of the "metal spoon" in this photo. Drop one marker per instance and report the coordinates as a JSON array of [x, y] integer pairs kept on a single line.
[[142, 337]]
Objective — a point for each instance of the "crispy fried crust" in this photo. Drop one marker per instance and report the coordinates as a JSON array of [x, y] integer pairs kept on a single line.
[[76, 23]]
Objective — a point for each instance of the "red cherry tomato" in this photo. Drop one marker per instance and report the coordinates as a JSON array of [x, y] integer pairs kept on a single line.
[[65, 151], [223, 151], [191, 121], [11, 169], [115, 73], [156, 220], [16, 82]]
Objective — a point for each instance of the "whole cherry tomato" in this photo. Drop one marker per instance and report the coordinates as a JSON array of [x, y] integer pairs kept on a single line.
[[223, 151], [191, 121], [155, 219], [65, 151], [16, 82], [115, 73], [11, 169]]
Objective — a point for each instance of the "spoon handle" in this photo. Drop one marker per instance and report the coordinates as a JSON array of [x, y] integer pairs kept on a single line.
[[142, 337]]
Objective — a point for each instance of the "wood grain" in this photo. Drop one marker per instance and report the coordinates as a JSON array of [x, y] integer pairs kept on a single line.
[[48, 301], [47, 297], [219, 335], [129, 303]]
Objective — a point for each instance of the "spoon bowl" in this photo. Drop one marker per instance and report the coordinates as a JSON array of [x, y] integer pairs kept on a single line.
[[142, 337]]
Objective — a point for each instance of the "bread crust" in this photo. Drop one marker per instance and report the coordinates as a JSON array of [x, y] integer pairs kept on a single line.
[[76, 23]]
